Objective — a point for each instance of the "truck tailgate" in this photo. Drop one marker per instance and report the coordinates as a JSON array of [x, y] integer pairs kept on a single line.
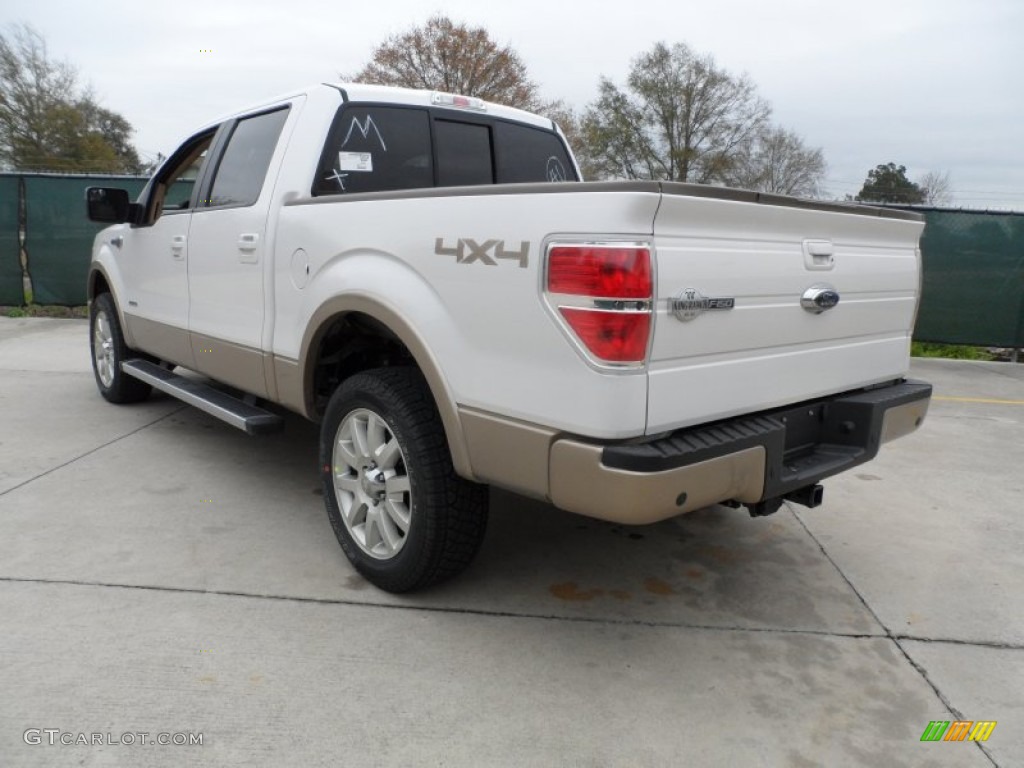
[[710, 361]]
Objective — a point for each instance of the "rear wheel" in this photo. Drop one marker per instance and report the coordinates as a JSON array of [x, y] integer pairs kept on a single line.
[[109, 351], [401, 514]]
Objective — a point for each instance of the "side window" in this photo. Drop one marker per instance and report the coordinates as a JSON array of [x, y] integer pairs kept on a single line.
[[179, 193], [525, 154], [375, 149], [172, 187], [463, 153], [243, 166]]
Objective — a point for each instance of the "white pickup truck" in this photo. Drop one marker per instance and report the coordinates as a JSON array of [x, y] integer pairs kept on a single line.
[[424, 275]]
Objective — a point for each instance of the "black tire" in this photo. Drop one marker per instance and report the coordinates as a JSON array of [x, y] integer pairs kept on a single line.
[[446, 515], [115, 386]]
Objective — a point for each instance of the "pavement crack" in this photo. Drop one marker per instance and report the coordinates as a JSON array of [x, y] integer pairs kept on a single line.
[[448, 609], [956, 641], [895, 639], [51, 470]]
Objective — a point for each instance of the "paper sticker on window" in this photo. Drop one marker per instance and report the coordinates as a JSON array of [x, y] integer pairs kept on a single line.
[[355, 161]]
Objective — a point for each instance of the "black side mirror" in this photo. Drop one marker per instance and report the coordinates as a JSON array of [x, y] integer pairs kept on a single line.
[[107, 205]]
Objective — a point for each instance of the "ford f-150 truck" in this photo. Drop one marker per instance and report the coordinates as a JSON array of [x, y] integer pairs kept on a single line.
[[425, 276]]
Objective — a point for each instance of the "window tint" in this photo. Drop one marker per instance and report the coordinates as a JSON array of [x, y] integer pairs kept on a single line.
[[373, 149], [527, 154], [243, 166], [463, 153]]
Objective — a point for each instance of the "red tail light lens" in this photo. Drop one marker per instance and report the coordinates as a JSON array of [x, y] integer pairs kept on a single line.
[[618, 337], [602, 271]]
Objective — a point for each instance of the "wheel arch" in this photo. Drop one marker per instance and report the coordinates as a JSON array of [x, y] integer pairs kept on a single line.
[[336, 310]]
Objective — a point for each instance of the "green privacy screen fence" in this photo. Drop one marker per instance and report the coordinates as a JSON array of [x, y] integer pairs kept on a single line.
[[973, 279], [58, 236], [10, 259], [973, 261]]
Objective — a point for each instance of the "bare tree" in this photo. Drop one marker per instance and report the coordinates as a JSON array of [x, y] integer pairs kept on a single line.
[[455, 58], [680, 117], [47, 120], [778, 161], [937, 188]]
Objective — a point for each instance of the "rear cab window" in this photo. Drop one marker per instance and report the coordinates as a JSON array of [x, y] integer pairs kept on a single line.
[[380, 148]]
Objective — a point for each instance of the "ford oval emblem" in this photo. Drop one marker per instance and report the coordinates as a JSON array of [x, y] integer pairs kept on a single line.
[[819, 298]]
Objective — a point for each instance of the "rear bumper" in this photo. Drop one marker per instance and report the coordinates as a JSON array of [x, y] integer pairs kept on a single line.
[[747, 459]]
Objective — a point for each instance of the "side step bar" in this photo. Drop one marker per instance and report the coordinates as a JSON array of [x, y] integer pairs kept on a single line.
[[249, 418]]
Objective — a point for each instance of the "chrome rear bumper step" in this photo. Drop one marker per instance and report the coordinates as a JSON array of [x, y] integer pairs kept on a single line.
[[241, 415]]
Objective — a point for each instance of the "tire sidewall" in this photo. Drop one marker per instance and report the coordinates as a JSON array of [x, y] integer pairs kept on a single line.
[[104, 304]]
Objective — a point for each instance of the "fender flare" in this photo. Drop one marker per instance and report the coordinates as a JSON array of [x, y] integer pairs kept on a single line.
[[394, 321]]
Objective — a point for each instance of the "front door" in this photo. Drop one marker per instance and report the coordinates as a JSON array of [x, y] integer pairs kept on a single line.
[[155, 255]]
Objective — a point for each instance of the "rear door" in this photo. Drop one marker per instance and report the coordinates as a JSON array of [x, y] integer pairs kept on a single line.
[[228, 251], [732, 334]]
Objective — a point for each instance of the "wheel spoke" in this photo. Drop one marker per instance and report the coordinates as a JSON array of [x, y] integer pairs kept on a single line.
[[388, 454], [347, 483], [376, 434], [371, 530], [398, 514], [358, 427], [388, 531], [357, 513], [346, 454], [398, 484]]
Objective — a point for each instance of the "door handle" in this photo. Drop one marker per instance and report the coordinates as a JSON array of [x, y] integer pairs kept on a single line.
[[177, 246], [248, 242]]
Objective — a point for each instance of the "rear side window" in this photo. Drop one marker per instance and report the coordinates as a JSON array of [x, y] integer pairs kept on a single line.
[[243, 166], [525, 154], [375, 149], [463, 154]]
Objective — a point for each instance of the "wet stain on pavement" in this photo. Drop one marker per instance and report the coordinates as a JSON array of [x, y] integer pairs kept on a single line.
[[658, 587]]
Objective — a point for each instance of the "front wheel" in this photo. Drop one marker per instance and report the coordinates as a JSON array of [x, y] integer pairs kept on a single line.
[[109, 351], [401, 514]]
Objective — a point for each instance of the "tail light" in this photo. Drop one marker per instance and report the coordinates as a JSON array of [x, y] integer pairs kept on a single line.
[[603, 292]]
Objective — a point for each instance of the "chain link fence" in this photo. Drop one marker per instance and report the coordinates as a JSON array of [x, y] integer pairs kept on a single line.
[[973, 260]]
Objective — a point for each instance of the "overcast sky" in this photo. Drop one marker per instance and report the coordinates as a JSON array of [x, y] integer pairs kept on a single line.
[[930, 84]]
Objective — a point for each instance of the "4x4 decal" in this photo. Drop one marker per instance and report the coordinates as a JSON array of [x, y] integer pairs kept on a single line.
[[466, 251]]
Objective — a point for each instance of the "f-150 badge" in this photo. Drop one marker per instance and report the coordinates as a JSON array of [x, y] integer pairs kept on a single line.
[[689, 303], [467, 251]]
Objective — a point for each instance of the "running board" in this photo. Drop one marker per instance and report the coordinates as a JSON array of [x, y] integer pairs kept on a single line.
[[244, 416]]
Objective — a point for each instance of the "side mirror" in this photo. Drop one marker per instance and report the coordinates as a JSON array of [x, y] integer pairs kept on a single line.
[[107, 205]]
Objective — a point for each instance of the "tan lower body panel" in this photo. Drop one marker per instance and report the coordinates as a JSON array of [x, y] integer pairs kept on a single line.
[[507, 453], [288, 378], [903, 419], [160, 340], [233, 364], [581, 483]]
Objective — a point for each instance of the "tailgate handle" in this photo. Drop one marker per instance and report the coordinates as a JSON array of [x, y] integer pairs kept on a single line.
[[819, 254]]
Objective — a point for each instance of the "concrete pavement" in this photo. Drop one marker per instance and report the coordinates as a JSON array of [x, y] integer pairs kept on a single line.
[[162, 572]]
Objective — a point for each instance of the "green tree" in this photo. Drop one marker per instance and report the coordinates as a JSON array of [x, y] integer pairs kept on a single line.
[[680, 117], [48, 121], [455, 58], [888, 183]]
